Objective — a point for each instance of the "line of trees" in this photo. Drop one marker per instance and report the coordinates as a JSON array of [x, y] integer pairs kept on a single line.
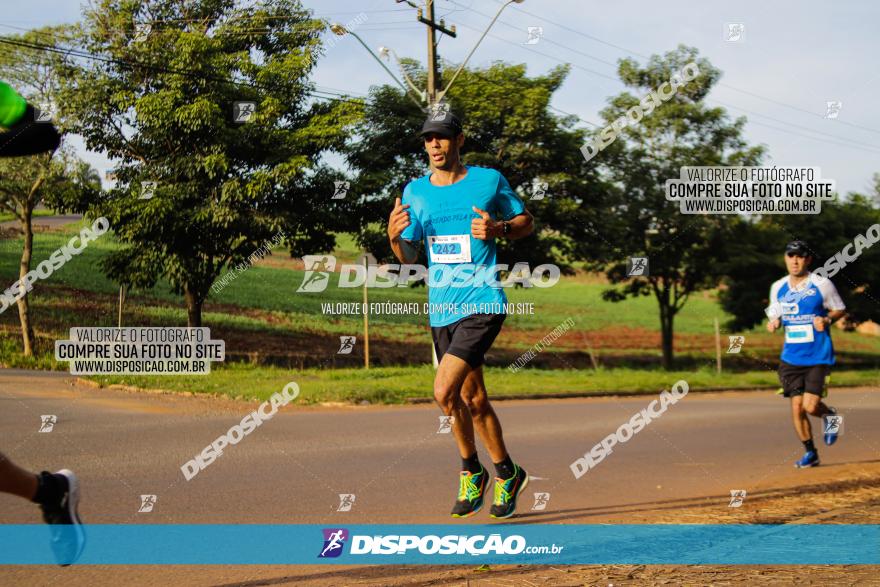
[[161, 103]]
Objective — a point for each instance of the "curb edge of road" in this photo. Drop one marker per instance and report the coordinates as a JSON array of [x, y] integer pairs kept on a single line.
[[588, 394], [425, 400], [132, 388]]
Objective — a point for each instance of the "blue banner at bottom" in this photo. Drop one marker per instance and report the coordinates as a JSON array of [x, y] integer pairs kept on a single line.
[[653, 544]]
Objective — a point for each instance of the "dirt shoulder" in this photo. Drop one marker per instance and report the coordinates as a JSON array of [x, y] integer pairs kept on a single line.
[[845, 494]]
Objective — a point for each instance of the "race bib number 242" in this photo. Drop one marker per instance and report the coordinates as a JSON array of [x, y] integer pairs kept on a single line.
[[450, 248]]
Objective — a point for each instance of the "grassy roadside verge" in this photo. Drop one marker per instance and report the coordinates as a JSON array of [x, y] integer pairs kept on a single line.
[[259, 312], [38, 213], [394, 385]]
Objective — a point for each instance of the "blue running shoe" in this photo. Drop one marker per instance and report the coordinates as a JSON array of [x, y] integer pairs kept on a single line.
[[832, 424], [810, 459]]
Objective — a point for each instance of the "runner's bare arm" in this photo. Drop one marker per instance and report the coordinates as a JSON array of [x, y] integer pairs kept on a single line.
[[820, 322], [521, 226], [484, 228]]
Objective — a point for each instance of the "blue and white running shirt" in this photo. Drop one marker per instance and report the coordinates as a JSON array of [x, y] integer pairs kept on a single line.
[[804, 345], [441, 216]]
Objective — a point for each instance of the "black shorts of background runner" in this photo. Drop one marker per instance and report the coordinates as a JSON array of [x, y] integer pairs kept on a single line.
[[798, 379], [468, 339]]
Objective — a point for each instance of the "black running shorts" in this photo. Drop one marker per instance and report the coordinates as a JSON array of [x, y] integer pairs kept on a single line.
[[797, 379], [468, 339]]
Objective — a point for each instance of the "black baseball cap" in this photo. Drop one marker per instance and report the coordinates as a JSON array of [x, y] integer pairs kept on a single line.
[[798, 248], [443, 123]]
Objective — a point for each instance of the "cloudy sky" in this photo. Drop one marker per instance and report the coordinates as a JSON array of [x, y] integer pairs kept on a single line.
[[793, 58]]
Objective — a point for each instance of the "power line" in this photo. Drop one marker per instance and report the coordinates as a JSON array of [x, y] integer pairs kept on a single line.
[[837, 121], [808, 129], [543, 39], [530, 48], [338, 95], [149, 67], [219, 32], [824, 141], [575, 115], [583, 34], [268, 17]]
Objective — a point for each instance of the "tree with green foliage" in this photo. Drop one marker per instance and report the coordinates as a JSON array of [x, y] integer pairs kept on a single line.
[[211, 100], [61, 182], [57, 179], [508, 126], [684, 252], [760, 247]]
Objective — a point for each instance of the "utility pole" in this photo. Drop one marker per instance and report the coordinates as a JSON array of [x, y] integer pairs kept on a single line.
[[433, 69], [433, 94]]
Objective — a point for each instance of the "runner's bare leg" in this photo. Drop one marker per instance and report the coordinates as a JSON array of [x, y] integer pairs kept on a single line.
[[448, 382], [814, 405], [800, 419], [474, 396]]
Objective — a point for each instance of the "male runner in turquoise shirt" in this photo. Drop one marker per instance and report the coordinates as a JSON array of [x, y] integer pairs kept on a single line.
[[459, 211]]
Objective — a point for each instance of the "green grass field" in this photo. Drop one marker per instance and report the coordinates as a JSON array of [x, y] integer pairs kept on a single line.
[[260, 311], [7, 216], [274, 289]]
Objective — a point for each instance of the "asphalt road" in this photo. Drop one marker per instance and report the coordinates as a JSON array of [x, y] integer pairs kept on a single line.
[[293, 467]]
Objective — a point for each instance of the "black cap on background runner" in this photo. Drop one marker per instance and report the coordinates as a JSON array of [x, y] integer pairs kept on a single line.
[[443, 123], [798, 248]]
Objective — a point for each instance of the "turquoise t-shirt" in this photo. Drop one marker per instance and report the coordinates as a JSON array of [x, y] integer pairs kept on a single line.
[[459, 284]]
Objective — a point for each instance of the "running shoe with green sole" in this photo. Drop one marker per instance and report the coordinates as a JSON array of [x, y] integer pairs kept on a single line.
[[471, 487], [506, 492]]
